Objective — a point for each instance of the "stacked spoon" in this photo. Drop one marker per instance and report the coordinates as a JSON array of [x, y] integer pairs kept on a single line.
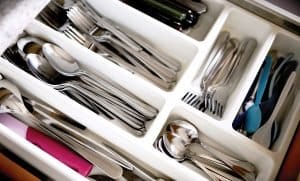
[[180, 141], [61, 71]]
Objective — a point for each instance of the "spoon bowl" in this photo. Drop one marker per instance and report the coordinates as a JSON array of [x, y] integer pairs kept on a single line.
[[41, 68], [60, 60], [174, 146], [253, 118], [243, 168], [184, 130]]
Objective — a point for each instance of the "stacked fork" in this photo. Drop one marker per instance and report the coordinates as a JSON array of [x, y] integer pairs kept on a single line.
[[84, 25], [226, 63]]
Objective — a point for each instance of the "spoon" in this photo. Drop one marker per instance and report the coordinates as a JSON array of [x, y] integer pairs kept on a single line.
[[253, 114], [68, 66], [176, 148], [40, 67], [100, 101], [30, 48], [12, 102], [263, 135], [243, 168]]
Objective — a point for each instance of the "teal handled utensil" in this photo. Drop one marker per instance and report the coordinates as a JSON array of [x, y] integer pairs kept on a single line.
[[253, 114], [264, 134]]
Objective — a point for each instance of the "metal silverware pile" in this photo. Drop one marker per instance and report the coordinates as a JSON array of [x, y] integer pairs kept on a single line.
[[225, 64], [180, 141], [81, 23], [100, 94], [67, 139]]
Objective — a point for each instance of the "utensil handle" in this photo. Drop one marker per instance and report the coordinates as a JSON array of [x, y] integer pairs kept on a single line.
[[214, 170], [107, 24], [243, 168], [135, 67], [80, 134], [164, 58], [199, 7], [214, 57], [263, 80], [211, 174], [126, 96], [59, 151], [129, 121], [263, 134], [107, 166], [167, 74]]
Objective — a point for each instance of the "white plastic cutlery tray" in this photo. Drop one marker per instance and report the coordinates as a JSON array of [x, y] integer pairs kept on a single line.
[[191, 49]]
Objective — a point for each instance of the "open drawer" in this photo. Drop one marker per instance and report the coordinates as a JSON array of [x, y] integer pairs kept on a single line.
[[191, 49]]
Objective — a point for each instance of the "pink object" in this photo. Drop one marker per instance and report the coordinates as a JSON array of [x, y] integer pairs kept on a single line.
[[48, 144], [14, 124]]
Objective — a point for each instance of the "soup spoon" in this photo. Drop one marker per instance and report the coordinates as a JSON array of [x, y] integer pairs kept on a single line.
[[68, 66], [189, 135], [135, 124], [173, 145]]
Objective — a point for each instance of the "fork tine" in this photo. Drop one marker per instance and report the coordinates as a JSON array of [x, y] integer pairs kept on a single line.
[[72, 36], [185, 95], [191, 99], [195, 100], [188, 96], [76, 34], [214, 107], [221, 111], [199, 103]]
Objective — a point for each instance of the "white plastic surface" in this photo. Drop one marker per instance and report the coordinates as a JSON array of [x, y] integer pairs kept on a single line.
[[191, 50]]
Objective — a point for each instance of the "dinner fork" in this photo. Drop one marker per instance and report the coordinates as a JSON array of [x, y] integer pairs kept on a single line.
[[81, 20], [221, 77], [127, 61], [140, 43], [240, 59], [196, 96]]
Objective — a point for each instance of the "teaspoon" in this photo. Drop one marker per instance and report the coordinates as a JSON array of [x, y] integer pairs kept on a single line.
[[68, 66], [243, 168], [175, 146]]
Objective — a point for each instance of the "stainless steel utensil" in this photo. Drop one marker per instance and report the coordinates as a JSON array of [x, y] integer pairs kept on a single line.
[[189, 134], [11, 102]]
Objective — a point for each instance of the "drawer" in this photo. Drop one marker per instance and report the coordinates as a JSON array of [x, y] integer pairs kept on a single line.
[[191, 48]]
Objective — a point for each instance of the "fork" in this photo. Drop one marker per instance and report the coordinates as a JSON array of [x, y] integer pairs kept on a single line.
[[138, 44], [221, 92], [130, 64], [194, 96], [222, 76], [91, 16], [81, 20]]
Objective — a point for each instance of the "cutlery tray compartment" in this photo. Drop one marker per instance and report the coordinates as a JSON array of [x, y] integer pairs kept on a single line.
[[191, 48]]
